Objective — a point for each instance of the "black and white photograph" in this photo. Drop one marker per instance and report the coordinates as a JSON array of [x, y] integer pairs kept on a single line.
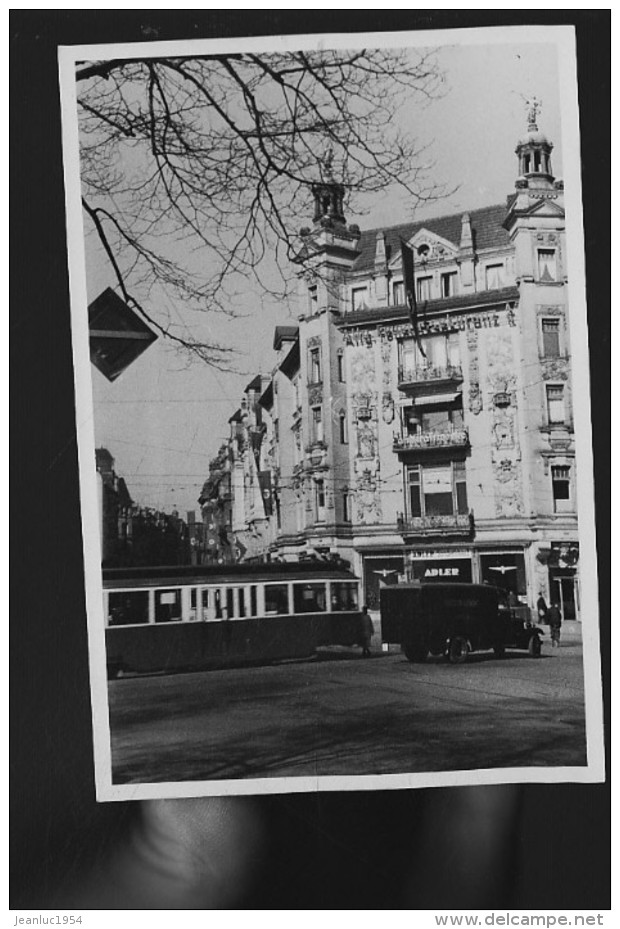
[[310, 333], [328, 310]]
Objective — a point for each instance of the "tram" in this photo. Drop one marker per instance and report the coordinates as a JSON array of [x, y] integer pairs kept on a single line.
[[189, 617]]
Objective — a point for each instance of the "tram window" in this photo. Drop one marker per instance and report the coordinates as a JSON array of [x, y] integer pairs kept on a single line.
[[167, 606], [193, 603], [309, 598], [208, 603], [128, 608], [253, 605], [344, 596], [230, 603], [242, 595], [218, 603], [276, 598]]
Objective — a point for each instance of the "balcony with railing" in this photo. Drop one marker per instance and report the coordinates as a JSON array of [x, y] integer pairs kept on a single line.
[[461, 524], [431, 441], [441, 376]]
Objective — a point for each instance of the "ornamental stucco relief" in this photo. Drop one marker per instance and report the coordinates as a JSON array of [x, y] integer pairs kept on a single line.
[[475, 394], [555, 369], [508, 486], [315, 395], [387, 402], [367, 500], [500, 362]]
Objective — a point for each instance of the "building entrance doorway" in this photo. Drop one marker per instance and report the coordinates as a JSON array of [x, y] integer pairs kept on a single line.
[[563, 588]]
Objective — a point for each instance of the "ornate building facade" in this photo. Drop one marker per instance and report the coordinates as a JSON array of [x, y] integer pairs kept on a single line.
[[444, 452]]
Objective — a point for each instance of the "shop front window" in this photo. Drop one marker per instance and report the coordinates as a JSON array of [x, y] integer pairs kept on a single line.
[[505, 570]]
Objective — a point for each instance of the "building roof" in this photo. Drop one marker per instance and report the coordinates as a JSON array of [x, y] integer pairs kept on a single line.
[[290, 364], [284, 334], [486, 226], [484, 298], [255, 384]]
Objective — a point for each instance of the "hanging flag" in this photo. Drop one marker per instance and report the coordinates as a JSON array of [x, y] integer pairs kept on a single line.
[[409, 285], [264, 482], [240, 548]]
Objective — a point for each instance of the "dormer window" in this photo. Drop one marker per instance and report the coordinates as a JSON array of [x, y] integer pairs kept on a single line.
[[448, 284], [494, 276], [424, 288], [398, 293], [359, 298]]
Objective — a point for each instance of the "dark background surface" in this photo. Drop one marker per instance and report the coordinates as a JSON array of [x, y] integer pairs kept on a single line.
[[323, 847]]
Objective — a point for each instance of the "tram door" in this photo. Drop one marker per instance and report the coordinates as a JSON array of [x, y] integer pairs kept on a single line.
[[564, 590]]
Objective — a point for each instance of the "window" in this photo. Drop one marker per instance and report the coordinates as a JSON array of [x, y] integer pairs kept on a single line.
[[437, 490], [309, 598], [315, 366], [319, 489], [424, 287], [346, 506], [128, 608], [276, 598], [446, 419], [398, 293], [359, 297], [344, 434], [438, 351], [555, 404], [547, 270], [340, 364], [167, 606], [551, 338], [317, 424], [344, 596], [494, 276], [313, 298], [560, 482], [460, 486], [448, 284]]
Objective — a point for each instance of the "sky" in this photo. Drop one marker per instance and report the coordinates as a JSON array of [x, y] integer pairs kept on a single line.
[[163, 420]]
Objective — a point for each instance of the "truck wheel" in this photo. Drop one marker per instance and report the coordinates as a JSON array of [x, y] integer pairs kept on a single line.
[[458, 650], [534, 646], [415, 652]]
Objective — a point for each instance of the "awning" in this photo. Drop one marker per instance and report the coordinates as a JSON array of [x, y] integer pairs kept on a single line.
[[427, 399]]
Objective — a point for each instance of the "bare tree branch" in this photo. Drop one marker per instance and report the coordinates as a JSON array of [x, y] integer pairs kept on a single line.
[[195, 171]]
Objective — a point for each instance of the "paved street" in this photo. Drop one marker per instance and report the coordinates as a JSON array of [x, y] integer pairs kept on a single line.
[[340, 714]]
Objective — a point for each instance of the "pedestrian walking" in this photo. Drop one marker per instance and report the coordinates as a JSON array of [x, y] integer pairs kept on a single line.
[[554, 618], [366, 632], [542, 608]]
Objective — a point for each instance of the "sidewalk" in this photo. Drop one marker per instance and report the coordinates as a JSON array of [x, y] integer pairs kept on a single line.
[[571, 632]]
